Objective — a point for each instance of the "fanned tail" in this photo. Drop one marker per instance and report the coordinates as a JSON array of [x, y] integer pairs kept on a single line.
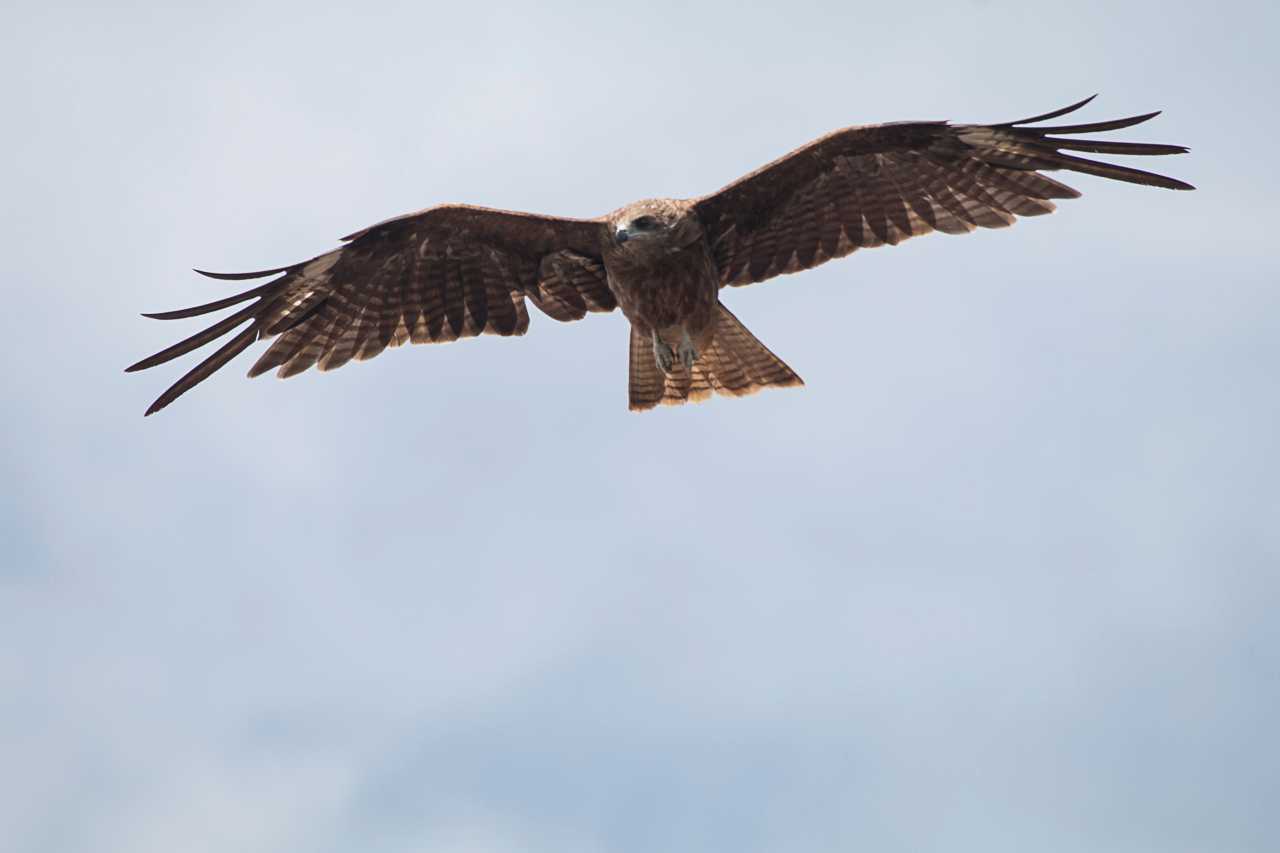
[[734, 364]]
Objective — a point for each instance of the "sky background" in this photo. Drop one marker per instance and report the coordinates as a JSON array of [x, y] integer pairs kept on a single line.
[[1002, 577]]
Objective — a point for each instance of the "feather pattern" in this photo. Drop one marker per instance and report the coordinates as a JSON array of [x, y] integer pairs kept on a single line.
[[734, 364], [445, 273], [878, 185]]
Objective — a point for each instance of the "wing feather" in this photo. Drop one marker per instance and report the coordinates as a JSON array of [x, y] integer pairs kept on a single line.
[[196, 341], [314, 345], [204, 369], [878, 185], [437, 275]]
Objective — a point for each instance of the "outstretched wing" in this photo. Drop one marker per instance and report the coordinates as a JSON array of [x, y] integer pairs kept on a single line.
[[876, 184], [445, 273]]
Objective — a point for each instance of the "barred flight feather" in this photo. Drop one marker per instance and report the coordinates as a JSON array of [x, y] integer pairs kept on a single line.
[[888, 183]]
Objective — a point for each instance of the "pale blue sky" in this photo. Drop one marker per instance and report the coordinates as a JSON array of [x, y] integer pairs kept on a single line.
[[1002, 577]]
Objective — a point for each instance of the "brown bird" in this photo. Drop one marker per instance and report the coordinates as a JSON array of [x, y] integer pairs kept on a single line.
[[455, 271]]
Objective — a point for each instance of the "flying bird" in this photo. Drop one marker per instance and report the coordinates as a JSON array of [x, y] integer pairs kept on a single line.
[[457, 271]]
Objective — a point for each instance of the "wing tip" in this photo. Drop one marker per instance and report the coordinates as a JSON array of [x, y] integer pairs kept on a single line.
[[240, 276], [160, 402], [1052, 113]]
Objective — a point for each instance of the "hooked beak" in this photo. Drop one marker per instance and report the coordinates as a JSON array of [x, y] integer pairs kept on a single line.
[[621, 236]]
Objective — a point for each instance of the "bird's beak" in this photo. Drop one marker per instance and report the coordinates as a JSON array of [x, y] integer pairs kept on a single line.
[[621, 236]]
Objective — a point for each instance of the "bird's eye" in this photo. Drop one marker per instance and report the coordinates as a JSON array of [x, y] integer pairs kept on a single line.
[[644, 222]]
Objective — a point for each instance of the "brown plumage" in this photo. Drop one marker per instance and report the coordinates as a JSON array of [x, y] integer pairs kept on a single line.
[[456, 271]]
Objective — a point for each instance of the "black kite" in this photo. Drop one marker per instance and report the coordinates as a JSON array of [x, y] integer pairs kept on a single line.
[[455, 271]]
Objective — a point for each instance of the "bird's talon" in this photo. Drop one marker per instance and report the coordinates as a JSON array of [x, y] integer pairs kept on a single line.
[[688, 355], [663, 354]]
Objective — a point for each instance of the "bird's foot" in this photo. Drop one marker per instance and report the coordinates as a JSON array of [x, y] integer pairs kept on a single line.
[[688, 355], [663, 354]]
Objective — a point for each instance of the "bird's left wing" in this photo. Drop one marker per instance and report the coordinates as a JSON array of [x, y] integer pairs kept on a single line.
[[880, 184], [445, 273]]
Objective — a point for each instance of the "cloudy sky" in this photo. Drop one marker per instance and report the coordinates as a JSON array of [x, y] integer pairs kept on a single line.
[[1002, 577]]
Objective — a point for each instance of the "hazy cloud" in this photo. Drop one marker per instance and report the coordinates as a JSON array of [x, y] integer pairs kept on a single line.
[[1001, 577]]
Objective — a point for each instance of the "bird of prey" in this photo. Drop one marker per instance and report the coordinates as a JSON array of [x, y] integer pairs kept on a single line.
[[456, 271]]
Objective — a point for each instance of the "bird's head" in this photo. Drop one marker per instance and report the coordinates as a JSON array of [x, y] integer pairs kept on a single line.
[[655, 222]]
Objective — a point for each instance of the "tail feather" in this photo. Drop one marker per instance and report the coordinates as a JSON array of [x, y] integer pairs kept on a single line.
[[646, 383], [734, 364]]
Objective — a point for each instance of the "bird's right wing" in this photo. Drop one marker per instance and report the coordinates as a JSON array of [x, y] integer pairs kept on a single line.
[[445, 273]]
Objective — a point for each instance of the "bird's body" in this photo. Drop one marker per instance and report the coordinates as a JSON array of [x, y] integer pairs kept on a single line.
[[457, 271], [662, 272], [664, 276]]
